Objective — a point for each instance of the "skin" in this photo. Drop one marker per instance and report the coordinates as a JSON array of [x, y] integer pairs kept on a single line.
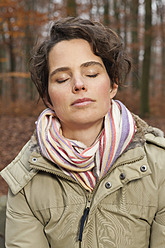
[[79, 89]]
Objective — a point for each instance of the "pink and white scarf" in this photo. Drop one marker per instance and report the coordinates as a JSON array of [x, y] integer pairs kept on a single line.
[[86, 165]]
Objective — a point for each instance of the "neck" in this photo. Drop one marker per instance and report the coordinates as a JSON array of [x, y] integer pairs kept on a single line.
[[86, 135]]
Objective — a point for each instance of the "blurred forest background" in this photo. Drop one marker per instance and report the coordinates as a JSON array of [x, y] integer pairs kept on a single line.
[[141, 24]]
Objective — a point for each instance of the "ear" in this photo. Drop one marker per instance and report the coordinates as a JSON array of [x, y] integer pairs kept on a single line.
[[113, 91]]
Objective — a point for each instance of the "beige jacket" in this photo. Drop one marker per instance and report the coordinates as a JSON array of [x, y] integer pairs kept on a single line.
[[125, 210]]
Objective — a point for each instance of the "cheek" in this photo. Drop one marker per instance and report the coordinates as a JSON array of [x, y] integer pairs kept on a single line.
[[104, 89], [55, 96], [104, 93]]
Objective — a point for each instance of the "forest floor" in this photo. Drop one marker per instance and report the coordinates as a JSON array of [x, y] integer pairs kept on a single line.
[[17, 128]]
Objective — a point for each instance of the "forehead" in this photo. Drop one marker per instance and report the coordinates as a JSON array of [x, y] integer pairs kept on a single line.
[[72, 52]]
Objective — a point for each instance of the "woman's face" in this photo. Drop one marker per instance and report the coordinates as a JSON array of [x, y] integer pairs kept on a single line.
[[79, 86]]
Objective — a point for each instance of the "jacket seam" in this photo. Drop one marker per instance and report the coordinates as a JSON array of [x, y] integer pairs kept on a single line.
[[132, 204], [37, 210]]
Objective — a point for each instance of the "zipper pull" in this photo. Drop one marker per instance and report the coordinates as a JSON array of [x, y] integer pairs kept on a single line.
[[83, 219]]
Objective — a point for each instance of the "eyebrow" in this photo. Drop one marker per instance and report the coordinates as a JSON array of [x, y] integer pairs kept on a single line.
[[86, 64]]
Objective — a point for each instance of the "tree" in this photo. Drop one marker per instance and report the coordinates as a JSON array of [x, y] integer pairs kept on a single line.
[[71, 8], [144, 101], [117, 15], [161, 11], [7, 12], [106, 12], [135, 44], [2, 58], [29, 7]]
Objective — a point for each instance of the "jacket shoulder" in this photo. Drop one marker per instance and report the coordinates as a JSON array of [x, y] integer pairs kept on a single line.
[[155, 140], [18, 173]]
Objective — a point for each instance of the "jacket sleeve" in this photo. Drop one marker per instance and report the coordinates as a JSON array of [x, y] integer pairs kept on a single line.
[[23, 229], [157, 157], [158, 225]]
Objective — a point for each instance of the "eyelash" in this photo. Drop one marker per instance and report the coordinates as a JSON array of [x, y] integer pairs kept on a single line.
[[93, 76], [61, 81], [90, 76]]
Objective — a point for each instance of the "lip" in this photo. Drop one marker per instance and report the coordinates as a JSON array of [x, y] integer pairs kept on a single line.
[[82, 102]]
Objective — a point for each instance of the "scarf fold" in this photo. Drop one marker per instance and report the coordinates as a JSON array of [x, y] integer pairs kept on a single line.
[[86, 165]]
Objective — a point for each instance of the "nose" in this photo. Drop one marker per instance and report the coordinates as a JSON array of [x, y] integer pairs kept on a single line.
[[79, 85]]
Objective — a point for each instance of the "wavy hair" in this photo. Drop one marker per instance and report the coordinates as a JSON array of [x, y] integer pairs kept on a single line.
[[104, 42]]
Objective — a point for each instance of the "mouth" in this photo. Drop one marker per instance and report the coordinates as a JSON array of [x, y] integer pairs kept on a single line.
[[82, 102]]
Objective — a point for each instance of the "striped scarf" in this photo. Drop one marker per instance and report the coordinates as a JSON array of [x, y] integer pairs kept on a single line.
[[86, 165]]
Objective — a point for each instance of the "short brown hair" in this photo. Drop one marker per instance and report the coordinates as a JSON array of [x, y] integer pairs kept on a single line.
[[104, 42]]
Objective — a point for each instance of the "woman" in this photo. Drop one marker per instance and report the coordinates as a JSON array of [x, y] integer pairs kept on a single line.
[[92, 174]]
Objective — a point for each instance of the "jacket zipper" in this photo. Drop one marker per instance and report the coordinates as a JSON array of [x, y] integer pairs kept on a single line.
[[85, 215], [82, 222]]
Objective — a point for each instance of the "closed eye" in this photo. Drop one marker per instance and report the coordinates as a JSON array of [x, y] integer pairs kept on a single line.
[[93, 75], [61, 81]]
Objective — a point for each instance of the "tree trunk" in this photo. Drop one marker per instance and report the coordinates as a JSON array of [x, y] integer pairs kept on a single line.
[[162, 18], [106, 13], [125, 26], [12, 62], [144, 101], [28, 44], [135, 43], [2, 62], [71, 8], [117, 19]]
